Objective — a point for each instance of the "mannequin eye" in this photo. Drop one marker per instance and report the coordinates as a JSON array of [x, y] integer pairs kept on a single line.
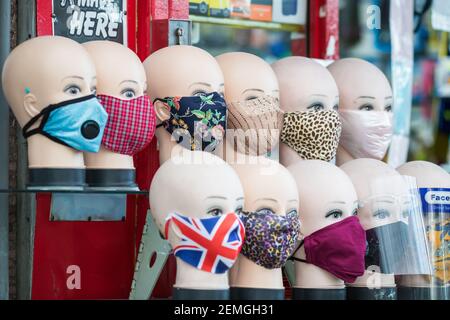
[[251, 98], [238, 210], [94, 91], [264, 211], [335, 214], [72, 90], [292, 212], [381, 214], [199, 93], [355, 212], [215, 212], [316, 107], [388, 109], [128, 93], [366, 107], [336, 107]]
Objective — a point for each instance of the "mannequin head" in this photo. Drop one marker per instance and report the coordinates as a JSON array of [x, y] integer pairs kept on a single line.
[[275, 190], [119, 71], [252, 94], [318, 88], [363, 88], [199, 198], [427, 174], [179, 71], [247, 77], [43, 71], [367, 176], [318, 92], [319, 209], [40, 72], [326, 197]]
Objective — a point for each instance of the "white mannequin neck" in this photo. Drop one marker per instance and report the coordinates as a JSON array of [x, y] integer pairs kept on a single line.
[[45, 153], [247, 274], [189, 277], [342, 156]]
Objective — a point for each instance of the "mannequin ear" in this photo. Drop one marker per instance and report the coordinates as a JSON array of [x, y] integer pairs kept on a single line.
[[162, 111], [30, 103]]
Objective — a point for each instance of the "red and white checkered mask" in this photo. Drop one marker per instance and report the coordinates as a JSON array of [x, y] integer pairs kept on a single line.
[[131, 124]]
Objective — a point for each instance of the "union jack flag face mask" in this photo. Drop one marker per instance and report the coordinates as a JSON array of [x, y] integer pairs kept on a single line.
[[208, 244]]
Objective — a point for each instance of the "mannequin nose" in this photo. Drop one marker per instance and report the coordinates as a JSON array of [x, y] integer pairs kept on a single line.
[[90, 129]]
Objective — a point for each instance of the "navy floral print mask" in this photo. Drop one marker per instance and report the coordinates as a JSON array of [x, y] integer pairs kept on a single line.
[[197, 122], [270, 239]]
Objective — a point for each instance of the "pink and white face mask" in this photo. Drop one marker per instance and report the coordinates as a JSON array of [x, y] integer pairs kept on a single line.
[[366, 134]]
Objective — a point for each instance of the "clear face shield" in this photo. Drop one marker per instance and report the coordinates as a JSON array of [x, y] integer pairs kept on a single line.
[[395, 231]]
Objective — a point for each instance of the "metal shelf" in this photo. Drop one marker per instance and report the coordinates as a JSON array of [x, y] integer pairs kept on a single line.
[[248, 24]]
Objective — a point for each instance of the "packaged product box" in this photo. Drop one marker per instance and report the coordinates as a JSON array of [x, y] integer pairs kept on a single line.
[[220, 8], [199, 7], [290, 11], [261, 10], [240, 9]]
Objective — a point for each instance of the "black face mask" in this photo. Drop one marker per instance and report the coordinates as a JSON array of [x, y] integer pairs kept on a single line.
[[386, 247]]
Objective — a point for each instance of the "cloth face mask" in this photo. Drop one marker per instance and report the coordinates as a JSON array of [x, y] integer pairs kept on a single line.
[[270, 238], [366, 134], [338, 248], [198, 122], [131, 124], [208, 244], [255, 125], [77, 123], [313, 135]]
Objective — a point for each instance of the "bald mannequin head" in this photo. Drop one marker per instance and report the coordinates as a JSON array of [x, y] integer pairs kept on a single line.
[[362, 86], [44, 71], [373, 178], [119, 71], [305, 85], [427, 174], [247, 77], [182, 71], [198, 196], [275, 190]]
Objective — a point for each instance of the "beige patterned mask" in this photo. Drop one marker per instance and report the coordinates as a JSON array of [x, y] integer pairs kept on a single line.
[[255, 125]]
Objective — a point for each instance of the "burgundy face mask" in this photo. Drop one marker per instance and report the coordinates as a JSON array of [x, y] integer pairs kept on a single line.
[[338, 248]]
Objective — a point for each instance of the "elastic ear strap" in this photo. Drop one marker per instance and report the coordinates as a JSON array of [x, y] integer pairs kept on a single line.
[[298, 259]]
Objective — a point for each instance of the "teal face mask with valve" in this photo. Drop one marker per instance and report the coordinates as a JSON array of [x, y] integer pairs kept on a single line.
[[77, 123]]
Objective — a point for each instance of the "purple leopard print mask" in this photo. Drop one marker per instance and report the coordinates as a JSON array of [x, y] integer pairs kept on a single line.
[[270, 239]]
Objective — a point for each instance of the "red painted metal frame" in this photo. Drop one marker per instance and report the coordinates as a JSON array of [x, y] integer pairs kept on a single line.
[[105, 251], [153, 22], [323, 25]]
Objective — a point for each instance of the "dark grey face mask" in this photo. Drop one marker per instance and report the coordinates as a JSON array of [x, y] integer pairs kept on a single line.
[[385, 247]]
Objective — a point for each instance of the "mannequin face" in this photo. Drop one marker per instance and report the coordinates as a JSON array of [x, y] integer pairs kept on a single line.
[[201, 196], [381, 190], [44, 71], [276, 191], [318, 88], [362, 86], [126, 79], [179, 71], [247, 77], [326, 194]]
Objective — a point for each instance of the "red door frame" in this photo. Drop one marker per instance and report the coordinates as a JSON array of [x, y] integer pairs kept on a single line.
[[105, 252]]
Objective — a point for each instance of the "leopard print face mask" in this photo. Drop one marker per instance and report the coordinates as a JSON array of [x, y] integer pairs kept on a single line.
[[313, 135], [270, 239]]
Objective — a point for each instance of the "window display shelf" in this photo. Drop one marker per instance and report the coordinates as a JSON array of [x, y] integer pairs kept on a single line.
[[249, 24], [75, 191]]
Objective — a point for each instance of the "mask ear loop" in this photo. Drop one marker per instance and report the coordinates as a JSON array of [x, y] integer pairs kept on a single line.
[[293, 258]]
